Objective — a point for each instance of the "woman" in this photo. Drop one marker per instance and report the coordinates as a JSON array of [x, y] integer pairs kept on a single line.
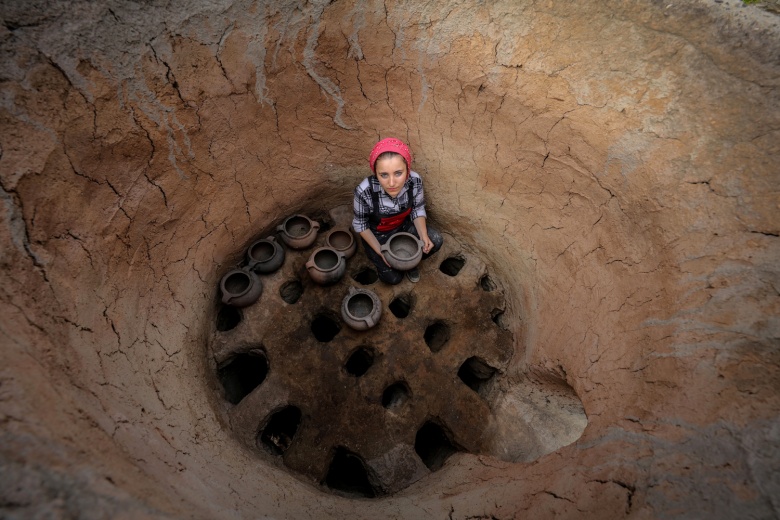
[[391, 201]]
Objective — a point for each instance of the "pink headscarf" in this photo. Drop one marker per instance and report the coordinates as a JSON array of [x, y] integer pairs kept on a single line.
[[391, 144]]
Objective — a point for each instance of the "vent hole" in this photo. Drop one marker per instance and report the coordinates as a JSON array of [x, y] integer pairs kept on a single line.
[[360, 361], [242, 374], [291, 291], [324, 328], [437, 335], [280, 430], [433, 445], [395, 395], [452, 265], [476, 374], [499, 318], [366, 276], [401, 306], [347, 473], [487, 283], [228, 318]]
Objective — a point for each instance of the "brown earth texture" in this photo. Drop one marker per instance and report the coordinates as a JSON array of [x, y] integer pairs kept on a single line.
[[607, 178]]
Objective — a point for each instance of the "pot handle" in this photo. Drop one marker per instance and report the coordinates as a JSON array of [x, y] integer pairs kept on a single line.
[[315, 225], [310, 264], [226, 297], [370, 321], [351, 291], [280, 228], [384, 248], [271, 238]]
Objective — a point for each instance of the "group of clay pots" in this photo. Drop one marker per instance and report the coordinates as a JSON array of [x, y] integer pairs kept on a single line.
[[361, 308]]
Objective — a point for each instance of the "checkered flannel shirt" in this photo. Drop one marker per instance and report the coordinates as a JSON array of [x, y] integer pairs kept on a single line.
[[363, 206]]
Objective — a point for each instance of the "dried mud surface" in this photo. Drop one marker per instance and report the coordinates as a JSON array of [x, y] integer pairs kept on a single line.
[[616, 163]]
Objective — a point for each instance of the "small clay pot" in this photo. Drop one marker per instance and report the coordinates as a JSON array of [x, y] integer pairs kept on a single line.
[[265, 256], [240, 287], [361, 309], [403, 251], [342, 240], [326, 266], [298, 231]]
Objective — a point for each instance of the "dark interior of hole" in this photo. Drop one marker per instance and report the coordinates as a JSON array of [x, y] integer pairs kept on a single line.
[[291, 291], [359, 362], [325, 224], [280, 430], [487, 283], [324, 328], [228, 318], [366, 276], [499, 319], [437, 335], [452, 265], [262, 251], [433, 445], [348, 474], [237, 283], [395, 395], [401, 306], [476, 374], [242, 374], [326, 259]]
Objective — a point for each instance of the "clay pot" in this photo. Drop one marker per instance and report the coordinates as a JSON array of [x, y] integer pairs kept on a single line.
[[361, 309], [240, 287], [265, 256], [342, 240], [298, 231], [403, 251], [326, 266]]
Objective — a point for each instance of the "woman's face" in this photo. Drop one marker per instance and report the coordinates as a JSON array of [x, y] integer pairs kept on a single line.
[[391, 173]]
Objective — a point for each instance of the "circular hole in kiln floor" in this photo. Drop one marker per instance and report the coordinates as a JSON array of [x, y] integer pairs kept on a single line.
[[291, 291], [347, 473], [437, 334], [433, 445], [228, 318], [366, 276], [243, 373], [360, 361], [395, 395], [401, 306], [278, 433], [452, 265], [324, 328]]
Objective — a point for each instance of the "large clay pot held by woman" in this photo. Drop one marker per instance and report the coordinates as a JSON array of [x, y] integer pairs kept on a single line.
[[240, 288], [361, 309], [265, 256], [343, 241], [298, 231], [326, 266], [403, 251]]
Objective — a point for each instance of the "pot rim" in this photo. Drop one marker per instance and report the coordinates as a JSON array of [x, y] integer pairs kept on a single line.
[[339, 256], [311, 226], [228, 275]]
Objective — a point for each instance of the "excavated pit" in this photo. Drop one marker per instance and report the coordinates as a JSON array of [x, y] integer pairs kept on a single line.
[[606, 174]]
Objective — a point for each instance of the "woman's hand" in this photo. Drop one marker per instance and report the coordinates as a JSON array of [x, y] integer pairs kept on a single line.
[[385, 260], [427, 245]]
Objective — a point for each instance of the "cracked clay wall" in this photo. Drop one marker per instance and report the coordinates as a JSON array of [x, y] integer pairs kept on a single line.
[[616, 163]]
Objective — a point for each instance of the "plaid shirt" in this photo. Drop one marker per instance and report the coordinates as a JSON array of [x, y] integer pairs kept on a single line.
[[363, 206]]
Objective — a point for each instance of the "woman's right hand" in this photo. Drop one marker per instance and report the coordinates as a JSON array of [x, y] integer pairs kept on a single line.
[[385, 260]]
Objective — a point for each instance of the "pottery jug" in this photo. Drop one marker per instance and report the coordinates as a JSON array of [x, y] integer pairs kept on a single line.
[[265, 256], [403, 251], [240, 287], [342, 240], [361, 309], [326, 266], [298, 231]]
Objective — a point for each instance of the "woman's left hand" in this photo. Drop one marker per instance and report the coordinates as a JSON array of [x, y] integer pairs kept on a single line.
[[427, 245]]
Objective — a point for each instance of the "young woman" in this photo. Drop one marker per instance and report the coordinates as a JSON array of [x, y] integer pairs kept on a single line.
[[391, 201]]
